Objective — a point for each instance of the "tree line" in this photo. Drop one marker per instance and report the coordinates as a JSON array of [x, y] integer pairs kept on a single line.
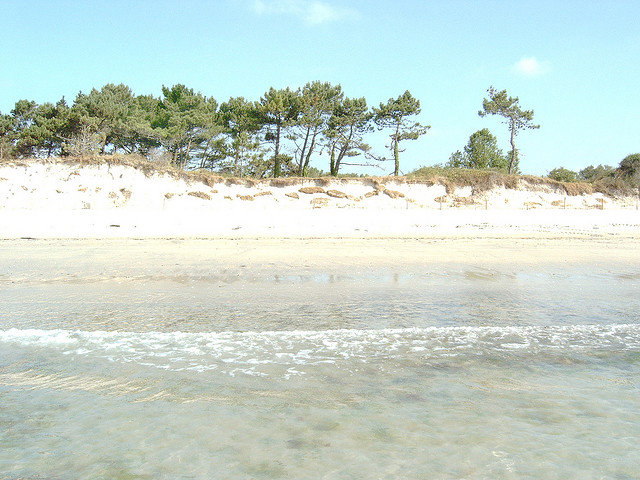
[[279, 134], [628, 170]]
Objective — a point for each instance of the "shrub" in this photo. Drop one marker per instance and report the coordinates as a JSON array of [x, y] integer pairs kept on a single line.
[[629, 168], [592, 174], [562, 174]]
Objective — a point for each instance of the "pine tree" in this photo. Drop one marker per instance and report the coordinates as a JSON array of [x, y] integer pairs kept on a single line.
[[344, 136], [278, 110], [395, 115], [516, 118]]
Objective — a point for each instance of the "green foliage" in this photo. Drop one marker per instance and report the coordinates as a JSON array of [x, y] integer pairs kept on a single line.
[[140, 136], [242, 152], [515, 118], [480, 152], [277, 111], [562, 174], [318, 100], [185, 124], [279, 135], [112, 116], [23, 115], [51, 122], [313, 172], [344, 136], [189, 131], [512, 158], [395, 116], [7, 125], [37, 129], [629, 168], [593, 174], [105, 112], [456, 160]]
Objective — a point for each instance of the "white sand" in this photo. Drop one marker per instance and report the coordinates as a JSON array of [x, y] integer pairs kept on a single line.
[[67, 260], [52, 200]]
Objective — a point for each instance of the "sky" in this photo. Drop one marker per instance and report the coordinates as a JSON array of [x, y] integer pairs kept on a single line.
[[575, 63]]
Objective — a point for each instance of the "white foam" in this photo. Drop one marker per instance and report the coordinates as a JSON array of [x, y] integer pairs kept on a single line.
[[291, 351], [38, 337]]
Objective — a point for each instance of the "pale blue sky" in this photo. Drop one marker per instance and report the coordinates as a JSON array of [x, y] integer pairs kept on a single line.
[[576, 63]]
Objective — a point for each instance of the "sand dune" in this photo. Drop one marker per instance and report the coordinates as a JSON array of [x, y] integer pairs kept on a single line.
[[46, 200]]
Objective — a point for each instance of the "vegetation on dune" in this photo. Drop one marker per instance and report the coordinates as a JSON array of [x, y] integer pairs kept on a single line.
[[481, 152], [483, 180], [515, 118], [603, 178], [395, 115], [277, 135], [450, 177], [189, 135]]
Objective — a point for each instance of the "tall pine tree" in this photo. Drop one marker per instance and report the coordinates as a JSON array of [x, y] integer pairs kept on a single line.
[[394, 115]]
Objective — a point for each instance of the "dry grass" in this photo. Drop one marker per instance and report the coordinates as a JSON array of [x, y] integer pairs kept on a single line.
[[319, 202], [614, 187], [336, 194], [484, 180], [202, 195], [393, 193], [463, 201], [311, 190], [126, 193], [451, 178]]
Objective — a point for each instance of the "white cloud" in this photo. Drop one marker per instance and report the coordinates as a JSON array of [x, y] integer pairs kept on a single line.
[[321, 12], [530, 67], [312, 12]]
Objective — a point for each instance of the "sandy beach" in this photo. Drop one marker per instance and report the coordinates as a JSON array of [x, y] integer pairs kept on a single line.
[[289, 227], [147, 323]]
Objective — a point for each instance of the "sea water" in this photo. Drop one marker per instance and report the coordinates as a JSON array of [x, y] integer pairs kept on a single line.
[[180, 371]]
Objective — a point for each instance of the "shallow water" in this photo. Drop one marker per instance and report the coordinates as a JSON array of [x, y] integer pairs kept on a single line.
[[190, 370]]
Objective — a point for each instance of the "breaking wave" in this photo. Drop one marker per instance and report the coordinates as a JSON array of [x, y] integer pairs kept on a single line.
[[257, 352]]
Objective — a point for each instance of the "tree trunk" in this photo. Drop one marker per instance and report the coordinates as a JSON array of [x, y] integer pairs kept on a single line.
[[513, 147], [276, 164], [186, 154], [236, 161], [396, 156], [305, 167], [396, 151], [175, 156], [303, 151], [332, 162]]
